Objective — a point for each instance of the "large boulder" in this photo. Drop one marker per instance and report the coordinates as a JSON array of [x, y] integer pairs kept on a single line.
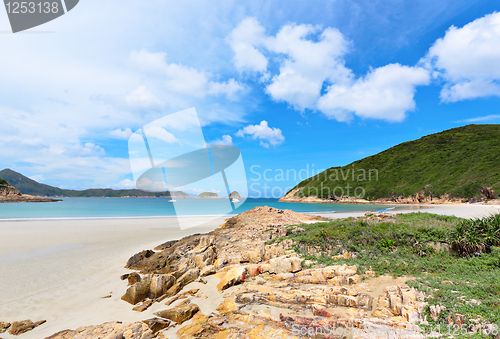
[[139, 291], [179, 314], [136, 260], [156, 324], [160, 283], [233, 277]]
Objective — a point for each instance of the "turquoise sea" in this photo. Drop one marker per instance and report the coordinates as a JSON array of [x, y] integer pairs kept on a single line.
[[76, 208]]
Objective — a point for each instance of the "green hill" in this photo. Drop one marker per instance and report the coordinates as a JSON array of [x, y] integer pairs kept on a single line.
[[462, 162], [29, 186], [234, 195]]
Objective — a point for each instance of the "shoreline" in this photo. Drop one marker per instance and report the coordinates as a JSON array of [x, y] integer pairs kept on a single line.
[[60, 270]]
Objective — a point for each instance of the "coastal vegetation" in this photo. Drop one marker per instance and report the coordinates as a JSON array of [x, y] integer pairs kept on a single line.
[[459, 163], [455, 261]]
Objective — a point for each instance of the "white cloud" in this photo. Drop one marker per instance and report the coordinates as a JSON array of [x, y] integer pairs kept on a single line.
[[182, 79], [125, 184], [161, 134], [481, 119], [307, 64], [311, 58], [267, 135], [226, 140], [150, 185], [121, 133], [142, 97], [467, 60], [384, 93], [243, 39], [89, 149]]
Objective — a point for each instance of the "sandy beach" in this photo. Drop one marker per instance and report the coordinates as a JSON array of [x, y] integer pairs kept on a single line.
[[60, 270]]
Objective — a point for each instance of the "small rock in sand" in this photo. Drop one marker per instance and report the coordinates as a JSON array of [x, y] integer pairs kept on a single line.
[[20, 327]]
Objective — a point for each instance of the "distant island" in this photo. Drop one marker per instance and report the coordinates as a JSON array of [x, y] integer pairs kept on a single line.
[[29, 186], [234, 195], [456, 165], [208, 195]]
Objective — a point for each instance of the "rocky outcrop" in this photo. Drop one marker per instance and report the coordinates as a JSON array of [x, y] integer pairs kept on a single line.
[[418, 198], [116, 329], [265, 292], [9, 193]]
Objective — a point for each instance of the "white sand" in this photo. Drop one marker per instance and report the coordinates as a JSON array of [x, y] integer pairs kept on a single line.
[[59, 270]]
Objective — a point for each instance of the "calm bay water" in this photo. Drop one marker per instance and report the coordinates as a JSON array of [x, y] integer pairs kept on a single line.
[[152, 207]]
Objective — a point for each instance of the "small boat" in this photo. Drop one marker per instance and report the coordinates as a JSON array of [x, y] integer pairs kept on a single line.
[[235, 200], [172, 200]]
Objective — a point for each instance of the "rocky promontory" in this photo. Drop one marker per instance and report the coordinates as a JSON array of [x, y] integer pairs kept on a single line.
[[235, 283], [418, 198], [9, 193]]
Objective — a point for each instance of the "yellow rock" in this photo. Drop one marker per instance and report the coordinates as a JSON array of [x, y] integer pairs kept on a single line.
[[233, 277], [227, 306], [266, 332]]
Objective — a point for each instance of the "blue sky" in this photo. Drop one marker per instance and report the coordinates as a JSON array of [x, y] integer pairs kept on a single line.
[[294, 85]]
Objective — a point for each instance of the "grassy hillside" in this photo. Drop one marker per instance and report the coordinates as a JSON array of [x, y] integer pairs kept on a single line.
[[458, 162], [468, 257], [29, 186]]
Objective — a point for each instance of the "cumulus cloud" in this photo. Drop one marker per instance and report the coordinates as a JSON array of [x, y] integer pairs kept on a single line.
[[267, 135], [467, 60], [182, 79], [243, 40], [125, 184], [384, 93], [307, 64], [311, 59], [225, 140]]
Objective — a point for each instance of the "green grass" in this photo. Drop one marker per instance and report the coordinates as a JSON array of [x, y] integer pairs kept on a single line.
[[458, 162], [402, 247]]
